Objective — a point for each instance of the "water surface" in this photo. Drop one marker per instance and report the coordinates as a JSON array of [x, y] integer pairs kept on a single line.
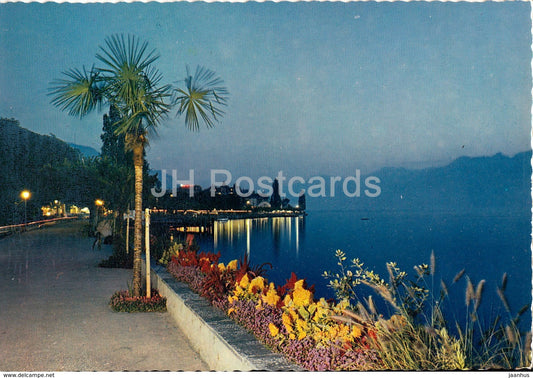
[[486, 246]]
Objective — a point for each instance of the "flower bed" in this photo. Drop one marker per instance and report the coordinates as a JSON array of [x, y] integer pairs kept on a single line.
[[311, 333], [349, 334], [304, 330], [122, 301]]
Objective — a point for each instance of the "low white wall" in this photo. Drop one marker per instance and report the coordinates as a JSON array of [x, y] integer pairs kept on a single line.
[[221, 343]]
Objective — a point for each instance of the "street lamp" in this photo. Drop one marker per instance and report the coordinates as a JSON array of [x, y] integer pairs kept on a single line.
[[56, 208], [98, 203], [25, 195]]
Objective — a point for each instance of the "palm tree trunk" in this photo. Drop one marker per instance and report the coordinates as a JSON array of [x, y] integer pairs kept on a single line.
[[137, 234]]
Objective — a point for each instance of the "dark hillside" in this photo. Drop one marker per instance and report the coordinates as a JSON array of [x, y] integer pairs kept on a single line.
[[34, 162]]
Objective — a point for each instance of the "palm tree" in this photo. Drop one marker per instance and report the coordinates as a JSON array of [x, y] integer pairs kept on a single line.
[[128, 81]]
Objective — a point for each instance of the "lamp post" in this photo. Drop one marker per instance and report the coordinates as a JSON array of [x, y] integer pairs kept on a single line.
[[25, 195], [56, 208], [98, 203]]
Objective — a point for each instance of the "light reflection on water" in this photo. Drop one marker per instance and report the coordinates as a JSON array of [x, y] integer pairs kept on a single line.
[[237, 233], [278, 241]]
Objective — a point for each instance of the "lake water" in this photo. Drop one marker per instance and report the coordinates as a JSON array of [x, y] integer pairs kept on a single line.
[[485, 246]]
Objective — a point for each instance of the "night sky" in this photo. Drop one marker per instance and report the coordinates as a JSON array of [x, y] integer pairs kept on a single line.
[[315, 88]]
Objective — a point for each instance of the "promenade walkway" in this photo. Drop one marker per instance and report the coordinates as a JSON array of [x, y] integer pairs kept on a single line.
[[54, 313]]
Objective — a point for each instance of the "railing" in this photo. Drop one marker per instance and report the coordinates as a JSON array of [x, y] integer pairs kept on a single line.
[[14, 228]]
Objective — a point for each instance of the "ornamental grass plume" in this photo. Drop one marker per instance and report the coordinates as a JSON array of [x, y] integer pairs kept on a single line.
[[401, 344], [432, 263], [458, 276], [469, 293], [444, 288], [478, 294]]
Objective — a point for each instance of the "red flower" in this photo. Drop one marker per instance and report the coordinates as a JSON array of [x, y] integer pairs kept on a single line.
[[289, 285]]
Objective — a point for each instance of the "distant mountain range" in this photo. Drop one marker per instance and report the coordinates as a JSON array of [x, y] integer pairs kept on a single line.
[[493, 184], [499, 183], [469, 184], [85, 151]]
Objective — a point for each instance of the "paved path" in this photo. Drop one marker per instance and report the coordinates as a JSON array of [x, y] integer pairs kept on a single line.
[[54, 313]]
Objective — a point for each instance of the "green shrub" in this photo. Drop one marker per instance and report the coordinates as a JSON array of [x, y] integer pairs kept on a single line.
[[171, 251], [122, 301], [120, 258]]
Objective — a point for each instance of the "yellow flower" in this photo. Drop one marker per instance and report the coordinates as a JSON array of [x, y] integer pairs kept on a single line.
[[287, 322], [302, 335], [333, 333], [322, 310], [301, 325], [272, 298], [318, 336], [344, 330], [356, 332], [287, 300], [320, 313], [274, 331], [293, 314], [245, 281], [232, 265], [231, 310], [292, 336], [221, 267], [238, 291], [256, 285], [302, 297], [342, 305], [298, 285]]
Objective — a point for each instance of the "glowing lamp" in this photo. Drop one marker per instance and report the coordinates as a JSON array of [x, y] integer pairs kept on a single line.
[[25, 195]]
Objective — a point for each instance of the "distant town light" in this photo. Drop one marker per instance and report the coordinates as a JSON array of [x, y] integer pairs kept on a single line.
[[99, 202]]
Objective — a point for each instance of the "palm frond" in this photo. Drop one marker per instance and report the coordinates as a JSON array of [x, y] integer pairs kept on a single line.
[[132, 84], [129, 55], [146, 107], [202, 97], [79, 92]]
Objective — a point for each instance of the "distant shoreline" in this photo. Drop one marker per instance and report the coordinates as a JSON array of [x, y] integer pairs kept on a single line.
[[187, 219], [281, 214]]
